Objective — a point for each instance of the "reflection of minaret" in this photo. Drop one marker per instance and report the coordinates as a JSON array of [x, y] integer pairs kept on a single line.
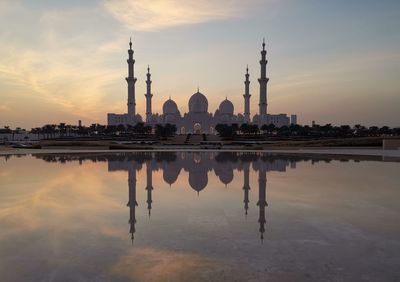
[[148, 95], [247, 97], [131, 80], [132, 200], [149, 187], [262, 199], [263, 80], [246, 187]]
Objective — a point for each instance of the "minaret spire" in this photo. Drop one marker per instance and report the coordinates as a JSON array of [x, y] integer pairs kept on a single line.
[[148, 95], [247, 96], [263, 80], [131, 80]]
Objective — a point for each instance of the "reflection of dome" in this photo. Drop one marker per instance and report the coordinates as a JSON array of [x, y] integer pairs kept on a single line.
[[171, 174], [226, 176], [198, 103], [226, 107], [198, 180]]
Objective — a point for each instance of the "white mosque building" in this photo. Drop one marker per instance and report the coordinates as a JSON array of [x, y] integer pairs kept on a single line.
[[199, 119]]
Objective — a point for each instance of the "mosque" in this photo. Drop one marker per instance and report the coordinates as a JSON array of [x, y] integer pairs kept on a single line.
[[199, 120]]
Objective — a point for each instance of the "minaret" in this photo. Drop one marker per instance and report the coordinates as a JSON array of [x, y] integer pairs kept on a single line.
[[263, 80], [132, 203], [246, 187], [262, 199], [149, 187], [247, 96], [131, 80], [148, 95]]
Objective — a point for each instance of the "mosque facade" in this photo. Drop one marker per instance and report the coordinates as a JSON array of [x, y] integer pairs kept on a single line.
[[199, 119]]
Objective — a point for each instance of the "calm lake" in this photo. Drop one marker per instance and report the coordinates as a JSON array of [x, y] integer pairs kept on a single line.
[[198, 216]]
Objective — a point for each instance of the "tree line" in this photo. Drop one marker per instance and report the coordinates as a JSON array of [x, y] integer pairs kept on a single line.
[[223, 130], [316, 131], [67, 130]]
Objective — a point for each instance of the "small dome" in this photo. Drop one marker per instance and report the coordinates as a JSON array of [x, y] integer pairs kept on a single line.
[[138, 118], [256, 118], [170, 107], [198, 103], [226, 107]]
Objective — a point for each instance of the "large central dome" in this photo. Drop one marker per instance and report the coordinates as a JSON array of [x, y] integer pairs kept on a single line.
[[198, 103]]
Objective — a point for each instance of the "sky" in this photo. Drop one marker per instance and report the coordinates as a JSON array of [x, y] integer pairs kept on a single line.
[[330, 61]]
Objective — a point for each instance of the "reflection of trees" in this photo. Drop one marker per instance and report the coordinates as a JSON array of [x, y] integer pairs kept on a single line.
[[222, 157], [138, 157], [165, 157], [219, 157]]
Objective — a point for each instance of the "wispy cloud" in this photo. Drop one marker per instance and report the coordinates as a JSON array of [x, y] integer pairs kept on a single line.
[[59, 62], [145, 15]]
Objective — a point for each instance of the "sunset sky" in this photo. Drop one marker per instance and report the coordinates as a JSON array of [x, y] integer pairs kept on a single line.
[[329, 61]]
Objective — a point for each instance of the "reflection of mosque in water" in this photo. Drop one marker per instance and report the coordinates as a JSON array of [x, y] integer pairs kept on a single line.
[[198, 165]]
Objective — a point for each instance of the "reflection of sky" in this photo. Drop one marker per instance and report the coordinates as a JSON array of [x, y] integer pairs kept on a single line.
[[65, 220]]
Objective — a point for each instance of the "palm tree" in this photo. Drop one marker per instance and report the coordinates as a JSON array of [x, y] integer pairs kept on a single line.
[[244, 128], [62, 129], [271, 128], [264, 128]]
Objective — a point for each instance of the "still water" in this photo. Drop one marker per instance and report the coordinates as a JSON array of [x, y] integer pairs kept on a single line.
[[198, 216]]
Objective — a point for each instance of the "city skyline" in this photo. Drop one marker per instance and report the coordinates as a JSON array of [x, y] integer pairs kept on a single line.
[[66, 61]]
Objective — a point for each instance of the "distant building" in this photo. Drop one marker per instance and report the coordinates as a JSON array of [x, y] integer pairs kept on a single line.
[[199, 119], [293, 119]]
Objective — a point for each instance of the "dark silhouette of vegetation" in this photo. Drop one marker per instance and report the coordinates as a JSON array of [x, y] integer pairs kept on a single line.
[[225, 130], [166, 130], [63, 130], [316, 131], [249, 129]]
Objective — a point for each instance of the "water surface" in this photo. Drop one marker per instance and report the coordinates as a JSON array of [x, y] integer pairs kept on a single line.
[[200, 216]]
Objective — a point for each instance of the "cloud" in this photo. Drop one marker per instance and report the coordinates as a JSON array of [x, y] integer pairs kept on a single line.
[[4, 108], [145, 15], [60, 63]]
